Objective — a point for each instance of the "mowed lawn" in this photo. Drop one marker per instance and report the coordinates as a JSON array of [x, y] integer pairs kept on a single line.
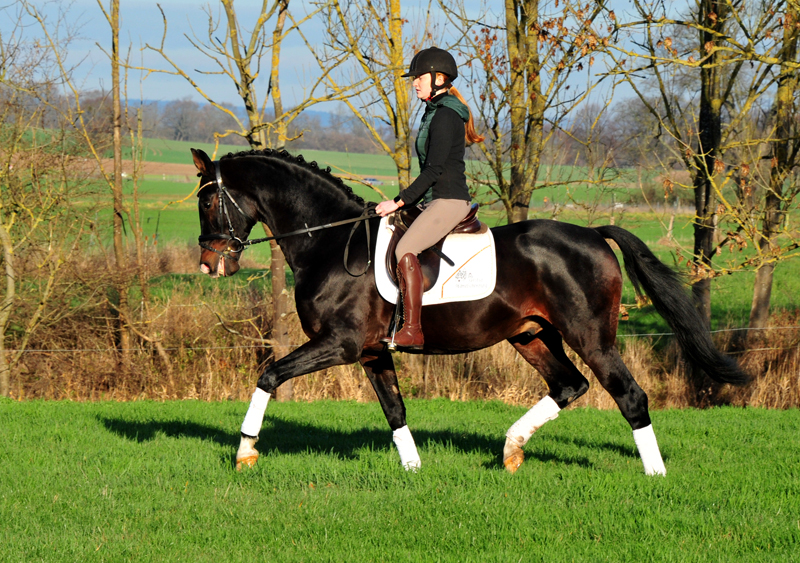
[[148, 481]]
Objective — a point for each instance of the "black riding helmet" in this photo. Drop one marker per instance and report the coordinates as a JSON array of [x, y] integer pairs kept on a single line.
[[433, 60]]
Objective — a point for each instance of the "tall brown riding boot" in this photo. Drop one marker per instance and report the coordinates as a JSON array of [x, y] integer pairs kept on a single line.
[[409, 277]]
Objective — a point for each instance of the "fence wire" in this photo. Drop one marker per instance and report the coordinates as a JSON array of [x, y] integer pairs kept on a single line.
[[247, 346]]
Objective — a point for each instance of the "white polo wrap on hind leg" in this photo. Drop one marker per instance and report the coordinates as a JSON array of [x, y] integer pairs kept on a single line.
[[409, 457], [645, 440], [255, 414], [522, 430]]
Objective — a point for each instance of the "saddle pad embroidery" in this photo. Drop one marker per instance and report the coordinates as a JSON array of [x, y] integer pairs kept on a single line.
[[473, 276]]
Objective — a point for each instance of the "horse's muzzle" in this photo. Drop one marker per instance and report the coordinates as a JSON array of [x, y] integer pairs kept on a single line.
[[219, 262]]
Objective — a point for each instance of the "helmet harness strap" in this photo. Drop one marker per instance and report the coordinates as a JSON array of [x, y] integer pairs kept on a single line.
[[434, 88]]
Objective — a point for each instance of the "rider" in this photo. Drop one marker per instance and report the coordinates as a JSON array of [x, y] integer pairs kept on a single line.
[[445, 129]]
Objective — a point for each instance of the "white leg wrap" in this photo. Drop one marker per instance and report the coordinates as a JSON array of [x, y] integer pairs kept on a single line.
[[645, 440], [522, 430], [255, 414], [409, 457]]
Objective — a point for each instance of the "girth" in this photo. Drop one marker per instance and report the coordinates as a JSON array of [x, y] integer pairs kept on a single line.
[[429, 259]]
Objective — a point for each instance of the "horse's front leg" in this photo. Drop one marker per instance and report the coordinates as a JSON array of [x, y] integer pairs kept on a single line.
[[316, 354], [379, 367]]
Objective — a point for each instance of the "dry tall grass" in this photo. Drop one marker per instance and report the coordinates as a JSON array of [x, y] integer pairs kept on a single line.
[[190, 355]]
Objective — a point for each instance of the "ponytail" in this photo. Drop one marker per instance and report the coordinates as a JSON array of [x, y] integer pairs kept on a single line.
[[470, 135]]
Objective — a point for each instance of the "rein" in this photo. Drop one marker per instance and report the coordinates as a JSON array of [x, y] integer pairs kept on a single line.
[[236, 245]]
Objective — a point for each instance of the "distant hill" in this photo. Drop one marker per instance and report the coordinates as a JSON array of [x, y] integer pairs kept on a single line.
[[188, 120]]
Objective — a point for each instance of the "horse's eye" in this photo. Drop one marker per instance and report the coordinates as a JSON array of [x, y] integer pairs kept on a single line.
[[206, 205]]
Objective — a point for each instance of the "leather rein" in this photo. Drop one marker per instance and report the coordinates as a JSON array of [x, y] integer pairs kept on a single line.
[[235, 245]]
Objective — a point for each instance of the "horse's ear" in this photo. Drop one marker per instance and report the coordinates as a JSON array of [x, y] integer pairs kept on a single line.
[[202, 162]]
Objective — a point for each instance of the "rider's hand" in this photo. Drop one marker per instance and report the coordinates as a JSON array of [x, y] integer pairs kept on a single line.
[[386, 207]]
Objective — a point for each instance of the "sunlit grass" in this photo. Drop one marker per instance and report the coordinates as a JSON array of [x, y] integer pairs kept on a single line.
[[154, 481]]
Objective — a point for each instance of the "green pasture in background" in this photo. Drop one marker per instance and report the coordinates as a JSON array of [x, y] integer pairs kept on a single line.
[[147, 481], [177, 152], [624, 182], [160, 194], [176, 222]]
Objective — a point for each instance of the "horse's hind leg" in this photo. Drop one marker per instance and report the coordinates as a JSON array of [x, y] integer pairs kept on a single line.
[[379, 368], [613, 375], [545, 352]]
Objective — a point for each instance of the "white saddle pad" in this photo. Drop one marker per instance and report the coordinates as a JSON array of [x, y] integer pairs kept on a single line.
[[472, 277]]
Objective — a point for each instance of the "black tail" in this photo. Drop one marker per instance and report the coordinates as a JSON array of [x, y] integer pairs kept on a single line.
[[664, 288]]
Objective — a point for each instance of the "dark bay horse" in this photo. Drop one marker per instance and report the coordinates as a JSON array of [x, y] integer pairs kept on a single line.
[[556, 283]]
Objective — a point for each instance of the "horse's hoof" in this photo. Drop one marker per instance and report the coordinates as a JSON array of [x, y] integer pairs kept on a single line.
[[248, 461], [513, 455], [513, 461]]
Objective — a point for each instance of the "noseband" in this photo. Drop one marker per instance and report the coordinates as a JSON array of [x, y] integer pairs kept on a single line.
[[235, 245]]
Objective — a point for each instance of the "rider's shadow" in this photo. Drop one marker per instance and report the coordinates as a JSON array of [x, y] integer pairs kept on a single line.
[[291, 437]]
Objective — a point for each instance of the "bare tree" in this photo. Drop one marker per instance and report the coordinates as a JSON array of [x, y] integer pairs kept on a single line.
[[720, 49], [523, 71], [369, 35], [181, 118], [121, 271], [90, 128], [73, 112], [40, 179], [239, 56], [779, 197]]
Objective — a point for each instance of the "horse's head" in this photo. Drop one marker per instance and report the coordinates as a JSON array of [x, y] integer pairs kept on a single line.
[[224, 221]]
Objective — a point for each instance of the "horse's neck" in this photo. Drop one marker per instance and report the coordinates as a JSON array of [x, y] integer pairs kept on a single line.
[[287, 210]]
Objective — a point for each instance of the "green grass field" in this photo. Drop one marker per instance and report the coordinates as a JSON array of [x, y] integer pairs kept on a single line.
[[161, 150], [369, 165], [146, 481]]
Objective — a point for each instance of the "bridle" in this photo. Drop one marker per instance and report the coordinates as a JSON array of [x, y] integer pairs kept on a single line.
[[235, 245]]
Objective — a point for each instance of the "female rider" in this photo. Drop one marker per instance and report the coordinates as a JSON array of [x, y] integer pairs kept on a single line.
[[445, 129]]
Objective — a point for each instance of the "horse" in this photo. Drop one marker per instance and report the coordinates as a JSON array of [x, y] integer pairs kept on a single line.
[[557, 283]]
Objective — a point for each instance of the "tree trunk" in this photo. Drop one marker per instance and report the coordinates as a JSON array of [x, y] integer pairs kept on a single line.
[[762, 292], [707, 161], [136, 155], [401, 125], [277, 266], [526, 105], [260, 136], [703, 248], [6, 306], [280, 316], [120, 275], [784, 107]]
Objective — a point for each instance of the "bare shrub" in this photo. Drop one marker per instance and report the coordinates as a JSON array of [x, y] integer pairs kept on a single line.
[[190, 354], [774, 356]]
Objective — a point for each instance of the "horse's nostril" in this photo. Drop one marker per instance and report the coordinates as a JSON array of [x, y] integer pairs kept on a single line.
[[205, 268]]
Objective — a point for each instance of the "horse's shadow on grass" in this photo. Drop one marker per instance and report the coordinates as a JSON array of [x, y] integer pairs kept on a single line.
[[627, 451], [291, 437], [146, 431], [622, 450]]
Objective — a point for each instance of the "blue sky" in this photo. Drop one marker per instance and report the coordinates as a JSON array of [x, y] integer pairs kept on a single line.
[[142, 24]]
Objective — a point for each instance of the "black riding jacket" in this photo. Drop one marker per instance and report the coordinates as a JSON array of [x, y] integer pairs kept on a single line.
[[440, 146]]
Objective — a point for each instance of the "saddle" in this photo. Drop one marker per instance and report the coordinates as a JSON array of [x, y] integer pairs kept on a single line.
[[429, 259]]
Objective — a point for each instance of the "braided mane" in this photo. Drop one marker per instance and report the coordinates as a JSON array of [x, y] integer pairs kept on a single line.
[[300, 161]]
